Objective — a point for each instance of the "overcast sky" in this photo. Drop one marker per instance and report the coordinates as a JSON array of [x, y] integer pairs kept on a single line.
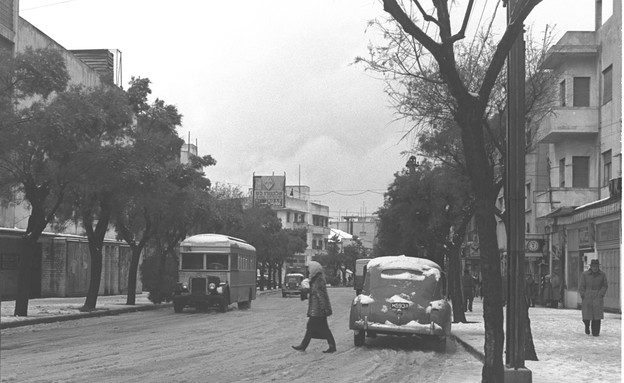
[[267, 86]]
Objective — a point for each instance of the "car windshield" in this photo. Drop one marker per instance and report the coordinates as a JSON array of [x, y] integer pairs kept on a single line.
[[415, 283]]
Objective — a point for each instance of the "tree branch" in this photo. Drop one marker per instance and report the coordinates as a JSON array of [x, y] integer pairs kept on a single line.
[[426, 16], [512, 32], [461, 34]]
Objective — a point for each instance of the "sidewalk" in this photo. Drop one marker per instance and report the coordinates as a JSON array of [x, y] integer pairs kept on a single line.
[[48, 310], [566, 354]]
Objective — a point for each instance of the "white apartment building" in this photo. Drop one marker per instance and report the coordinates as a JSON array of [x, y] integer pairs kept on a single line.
[[574, 174]]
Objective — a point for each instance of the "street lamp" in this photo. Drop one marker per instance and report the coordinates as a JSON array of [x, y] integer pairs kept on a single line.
[[411, 164]]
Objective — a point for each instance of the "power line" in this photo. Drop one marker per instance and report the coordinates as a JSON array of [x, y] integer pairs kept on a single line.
[[46, 5]]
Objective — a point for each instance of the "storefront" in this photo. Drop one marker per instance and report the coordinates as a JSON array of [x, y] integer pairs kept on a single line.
[[576, 236]]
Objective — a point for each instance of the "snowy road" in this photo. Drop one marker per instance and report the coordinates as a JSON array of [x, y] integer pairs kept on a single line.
[[238, 346]]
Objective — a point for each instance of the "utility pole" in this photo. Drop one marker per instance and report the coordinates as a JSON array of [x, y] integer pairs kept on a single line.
[[514, 211]]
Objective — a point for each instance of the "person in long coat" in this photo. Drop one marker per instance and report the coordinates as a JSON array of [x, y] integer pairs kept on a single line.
[[319, 308], [592, 289]]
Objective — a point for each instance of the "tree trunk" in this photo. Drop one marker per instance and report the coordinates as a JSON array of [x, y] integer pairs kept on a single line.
[[96, 243], [23, 277], [481, 175], [36, 224], [132, 275], [95, 275]]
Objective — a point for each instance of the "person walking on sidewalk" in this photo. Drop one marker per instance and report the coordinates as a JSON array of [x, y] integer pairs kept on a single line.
[[319, 308], [529, 288], [468, 286], [592, 289]]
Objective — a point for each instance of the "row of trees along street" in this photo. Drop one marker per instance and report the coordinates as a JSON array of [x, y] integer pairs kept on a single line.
[[104, 157], [454, 93]]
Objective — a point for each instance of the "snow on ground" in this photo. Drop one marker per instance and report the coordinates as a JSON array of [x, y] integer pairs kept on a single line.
[[47, 307], [566, 354]]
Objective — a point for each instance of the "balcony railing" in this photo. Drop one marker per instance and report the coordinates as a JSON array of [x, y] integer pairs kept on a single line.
[[569, 122], [549, 200]]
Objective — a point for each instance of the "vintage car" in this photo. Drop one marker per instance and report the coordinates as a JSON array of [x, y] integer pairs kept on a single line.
[[292, 284], [401, 296]]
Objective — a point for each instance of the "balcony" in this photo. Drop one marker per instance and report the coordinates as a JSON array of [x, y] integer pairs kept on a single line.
[[569, 123], [549, 200]]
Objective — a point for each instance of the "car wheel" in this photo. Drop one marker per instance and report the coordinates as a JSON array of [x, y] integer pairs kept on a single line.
[[359, 338], [223, 307], [283, 295]]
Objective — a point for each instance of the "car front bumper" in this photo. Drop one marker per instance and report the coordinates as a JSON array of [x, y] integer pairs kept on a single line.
[[411, 328]]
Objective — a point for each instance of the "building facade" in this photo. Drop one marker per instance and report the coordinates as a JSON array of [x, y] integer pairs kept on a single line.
[[364, 227], [574, 174], [301, 213], [60, 267]]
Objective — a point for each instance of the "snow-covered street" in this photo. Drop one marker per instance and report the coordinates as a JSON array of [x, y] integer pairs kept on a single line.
[[238, 346]]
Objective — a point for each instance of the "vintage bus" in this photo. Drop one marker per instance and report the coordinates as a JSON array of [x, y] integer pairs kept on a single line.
[[215, 271]]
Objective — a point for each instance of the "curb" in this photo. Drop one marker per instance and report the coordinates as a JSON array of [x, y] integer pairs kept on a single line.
[[93, 314], [99, 313], [473, 351]]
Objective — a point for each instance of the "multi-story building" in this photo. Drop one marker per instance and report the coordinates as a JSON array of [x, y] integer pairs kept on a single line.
[[363, 227], [574, 174], [60, 266], [301, 213]]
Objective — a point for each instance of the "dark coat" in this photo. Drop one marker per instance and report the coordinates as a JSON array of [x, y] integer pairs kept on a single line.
[[318, 301], [468, 284], [592, 289]]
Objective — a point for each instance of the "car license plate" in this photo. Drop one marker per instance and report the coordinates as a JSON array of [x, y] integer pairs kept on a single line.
[[399, 305]]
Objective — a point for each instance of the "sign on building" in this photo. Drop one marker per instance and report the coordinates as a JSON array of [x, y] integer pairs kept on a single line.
[[269, 190]]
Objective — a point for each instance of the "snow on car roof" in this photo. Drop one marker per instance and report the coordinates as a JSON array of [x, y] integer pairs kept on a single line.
[[426, 266]]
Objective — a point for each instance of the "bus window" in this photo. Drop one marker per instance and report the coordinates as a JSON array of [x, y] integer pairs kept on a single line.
[[192, 261], [216, 261], [234, 262]]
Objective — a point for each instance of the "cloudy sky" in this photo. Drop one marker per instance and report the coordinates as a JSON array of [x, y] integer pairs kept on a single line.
[[267, 86]]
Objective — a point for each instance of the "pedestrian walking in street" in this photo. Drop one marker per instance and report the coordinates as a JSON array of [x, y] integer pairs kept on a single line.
[[592, 289], [468, 286], [319, 308]]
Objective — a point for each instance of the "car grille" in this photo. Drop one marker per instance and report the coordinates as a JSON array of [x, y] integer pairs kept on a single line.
[[198, 286]]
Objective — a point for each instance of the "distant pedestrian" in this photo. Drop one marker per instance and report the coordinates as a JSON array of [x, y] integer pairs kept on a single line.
[[529, 288], [319, 308], [555, 281], [547, 291], [468, 286], [593, 288]]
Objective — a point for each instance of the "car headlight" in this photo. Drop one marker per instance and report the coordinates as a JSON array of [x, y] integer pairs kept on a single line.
[[220, 289], [212, 286], [184, 286]]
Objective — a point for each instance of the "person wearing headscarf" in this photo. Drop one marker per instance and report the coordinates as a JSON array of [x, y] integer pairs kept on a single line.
[[319, 308], [592, 289]]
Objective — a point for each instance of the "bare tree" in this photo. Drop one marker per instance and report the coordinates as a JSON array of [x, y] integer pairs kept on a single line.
[[462, 95]]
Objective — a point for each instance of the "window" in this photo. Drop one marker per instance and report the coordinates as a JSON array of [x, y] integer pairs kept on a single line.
[[606, 160], [233, 261], [192, 261], [527, 197], [562, 93], [607, 85], [581, 91], [580, 172], [562, 172], [287, 216]]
